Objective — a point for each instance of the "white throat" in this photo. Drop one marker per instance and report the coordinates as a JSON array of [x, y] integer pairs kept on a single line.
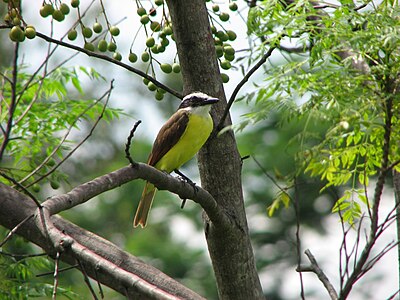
[[199, 110]]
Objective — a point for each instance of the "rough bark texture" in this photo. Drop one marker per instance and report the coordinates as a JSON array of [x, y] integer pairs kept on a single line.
[[219, 161], [101, 259]]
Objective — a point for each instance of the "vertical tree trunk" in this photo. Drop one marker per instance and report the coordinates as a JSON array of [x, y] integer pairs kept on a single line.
[[219, 161]]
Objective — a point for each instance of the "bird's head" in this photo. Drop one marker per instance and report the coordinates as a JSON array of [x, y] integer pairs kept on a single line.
[[197, 99]]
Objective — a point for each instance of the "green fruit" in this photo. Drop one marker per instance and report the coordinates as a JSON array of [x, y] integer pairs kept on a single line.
[[159, 2], [165, 42], [117, 56], [36, 188], [111, 46], [224, 37], [159, 96], [58, 15], [167, 30], [145, 56], [154, 49], [226, 65], [72, 34], [215, 7], [231, 35], [51, 162], [224, 17], [229, 57], [166, 68], [225, 78], [102, 46], [87, 32], [176, 68], [213, 29], [54, 184], [155, 26], [153, 12], [16, 34], [97, 27], [146, 81], [75, 3], [219, 50], [217, 41], [229, 50], [144, 19], [46, 10], [233, 6], [160, 48], [30, 32], [16, 21], [89, 46], [141, 11], [132, 57], [64, 8], [151, 86], [114, 30], [150, 42]]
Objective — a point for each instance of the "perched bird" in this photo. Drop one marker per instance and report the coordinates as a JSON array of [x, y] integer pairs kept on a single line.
[[177, 142]]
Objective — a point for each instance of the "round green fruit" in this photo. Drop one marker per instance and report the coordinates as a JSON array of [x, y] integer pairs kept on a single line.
[[231, 35], [215, 7], [16, 34], [64, 8], [46, 10], [102, 46], [229, 50], [117, 56], [58, 15], [30, 32], [36, 188], [155, 26], [54, 184], [151, 86], [97, 27], [132, 57], [145, 56], [111, 46], [141, 11], [159, 2], [167, 30], [144, 19], [226, 64], [150, 42], [89, 46], [159, 96], [75, 3], [225, 78], [166, 68], [176, 68], [233, 6], [72, 34], [224, 17], [114, 30], [87, 32]]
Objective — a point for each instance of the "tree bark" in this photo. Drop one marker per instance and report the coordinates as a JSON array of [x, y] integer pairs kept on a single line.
[[219, 160]]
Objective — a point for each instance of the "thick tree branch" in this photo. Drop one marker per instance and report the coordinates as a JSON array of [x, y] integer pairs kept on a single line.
[[162, 181], [100, 259]]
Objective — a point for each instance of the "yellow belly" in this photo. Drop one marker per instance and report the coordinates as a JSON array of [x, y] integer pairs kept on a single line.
[[196, 134]]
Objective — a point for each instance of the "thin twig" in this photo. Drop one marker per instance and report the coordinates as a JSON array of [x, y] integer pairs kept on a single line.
[[10, 234], [55, 284], [111, 60], [86, 279], [128, 143], [241, 84], [320, 274], [59, 271], [28, 193]]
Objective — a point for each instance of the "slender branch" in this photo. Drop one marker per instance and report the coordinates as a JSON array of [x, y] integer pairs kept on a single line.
[[55, 284], [7, 130], [111, 60], [10, 234], [23, 188], [87, 281], [241, 84], [314, 267], [128, 143]]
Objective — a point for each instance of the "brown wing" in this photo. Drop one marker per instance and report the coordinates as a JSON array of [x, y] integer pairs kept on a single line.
[[168, 136]]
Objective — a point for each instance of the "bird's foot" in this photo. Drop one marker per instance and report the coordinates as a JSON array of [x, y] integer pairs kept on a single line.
[[186, 179]]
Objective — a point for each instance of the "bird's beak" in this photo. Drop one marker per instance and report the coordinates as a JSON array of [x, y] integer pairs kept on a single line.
[[211, 100]]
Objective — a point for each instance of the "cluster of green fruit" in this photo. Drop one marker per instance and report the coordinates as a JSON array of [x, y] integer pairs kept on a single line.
[[59, 13], [18, 32], [225, 51]]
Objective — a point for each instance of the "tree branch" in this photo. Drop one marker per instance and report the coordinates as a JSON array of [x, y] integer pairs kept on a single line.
[[314, 267], [111, 60], [101, 259]]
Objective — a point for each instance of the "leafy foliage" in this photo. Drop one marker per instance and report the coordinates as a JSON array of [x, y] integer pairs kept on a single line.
[[44, 116], [325, 85]]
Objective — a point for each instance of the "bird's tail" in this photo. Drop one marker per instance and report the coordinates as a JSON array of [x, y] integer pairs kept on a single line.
[[143, 209]]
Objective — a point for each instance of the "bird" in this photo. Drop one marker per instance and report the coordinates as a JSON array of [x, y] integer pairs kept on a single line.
[[178, 140]]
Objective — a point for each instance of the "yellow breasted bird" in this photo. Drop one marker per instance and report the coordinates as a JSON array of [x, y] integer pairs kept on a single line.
[[177, 142]]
